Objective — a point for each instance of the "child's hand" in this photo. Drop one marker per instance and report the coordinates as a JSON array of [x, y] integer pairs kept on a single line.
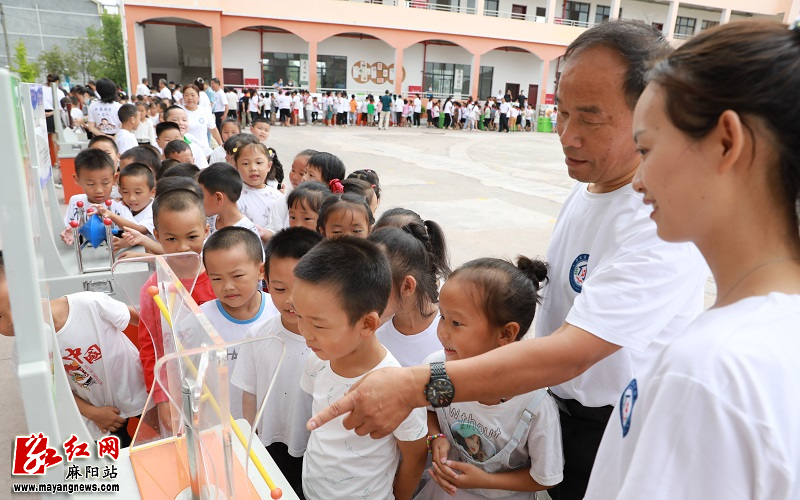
[[118, 244], [66, 236], [103, 210], [459, 475], [107, 418], [132, 237], [440, 447]]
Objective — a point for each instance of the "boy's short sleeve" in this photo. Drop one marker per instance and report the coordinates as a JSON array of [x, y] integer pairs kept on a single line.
[[113, 311], [414, 427], [313, 366], [244, 373]]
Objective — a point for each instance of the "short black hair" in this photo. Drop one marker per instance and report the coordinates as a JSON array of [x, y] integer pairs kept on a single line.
[[222, 178], [329, 165], [228, 237], [178, 182], [145, 155], [351, 201], [260, 119], [184, 169], [164, 126], [290, 243], [355, 269], [175, 147], [171, 109], [229, 121], [177, 200], [359, 187], [310, 194], [91, 159], [126, 112], [165, 165], [138, 170], [103, 138], [236, 141]]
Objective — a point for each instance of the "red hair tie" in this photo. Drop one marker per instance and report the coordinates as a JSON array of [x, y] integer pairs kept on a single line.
[[336, 186]]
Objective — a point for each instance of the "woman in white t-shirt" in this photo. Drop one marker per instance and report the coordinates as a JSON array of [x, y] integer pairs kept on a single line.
[[103, 118], [201, 120], [716, 415], [418, 258]]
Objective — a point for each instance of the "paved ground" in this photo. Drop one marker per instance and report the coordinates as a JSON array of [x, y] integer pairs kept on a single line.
[[494, 194]]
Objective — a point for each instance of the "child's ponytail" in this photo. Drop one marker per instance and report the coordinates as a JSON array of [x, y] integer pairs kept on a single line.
[[438, 249], [536, 270]]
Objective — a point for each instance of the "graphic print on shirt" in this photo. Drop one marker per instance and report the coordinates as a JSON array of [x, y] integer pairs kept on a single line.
[[577, 272], [472, 436], [626, 402], [77, 370]]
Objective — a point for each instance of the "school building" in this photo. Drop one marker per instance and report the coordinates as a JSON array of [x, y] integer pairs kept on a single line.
[[457, 47]]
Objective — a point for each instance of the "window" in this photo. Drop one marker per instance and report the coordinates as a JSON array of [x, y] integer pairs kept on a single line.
[[490, 7], [445, 77], [518, 11], [485, 82], [278, 65], [332, 72], [685, 25], [602, 14], [541, 12], [577, 11], [708, 24]]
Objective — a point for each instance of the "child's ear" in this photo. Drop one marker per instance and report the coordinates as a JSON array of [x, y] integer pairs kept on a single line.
[[155, 235], [261, 275], [322, 231], [208, 230], [408, 287], [508, 333], [369, 323], [75, 178], [116, 177]]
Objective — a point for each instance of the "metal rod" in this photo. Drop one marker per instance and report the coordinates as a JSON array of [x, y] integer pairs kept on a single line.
[[191, 439], [76, 241]]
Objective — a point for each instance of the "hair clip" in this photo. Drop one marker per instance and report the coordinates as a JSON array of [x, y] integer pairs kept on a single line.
[[235, 150], [336, 186], [373, 186]]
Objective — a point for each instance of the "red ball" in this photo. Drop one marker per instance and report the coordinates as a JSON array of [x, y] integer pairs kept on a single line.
[[108, 203], [79, 204], [107, 221], [276, 493], [74, 223]]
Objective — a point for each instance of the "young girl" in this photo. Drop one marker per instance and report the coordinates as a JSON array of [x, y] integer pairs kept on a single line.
[[325, 168], [236, 141], [362, 188], [371, 177], [304, 203], [275, 176], [345, 214], [510, 444], [418, 257], [146, 132], [299, 166], [260, 202], [399, 217], [228, 129]]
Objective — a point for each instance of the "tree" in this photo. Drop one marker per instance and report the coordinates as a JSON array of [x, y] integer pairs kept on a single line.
[[112, 54], [86, 52], [57, 62], [28, 71]]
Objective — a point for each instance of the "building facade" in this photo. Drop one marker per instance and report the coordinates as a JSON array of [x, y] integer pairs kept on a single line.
[[455, 47]]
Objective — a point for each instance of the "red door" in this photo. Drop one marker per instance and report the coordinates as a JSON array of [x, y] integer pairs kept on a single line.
[[232, 76]]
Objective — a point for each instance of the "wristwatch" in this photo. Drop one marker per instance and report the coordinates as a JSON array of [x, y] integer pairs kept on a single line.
[[439, 391]]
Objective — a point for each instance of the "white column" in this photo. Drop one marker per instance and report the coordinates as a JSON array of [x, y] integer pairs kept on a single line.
[[615, 5], [672, 17], [479, 6], [725, 17], [551, 11]]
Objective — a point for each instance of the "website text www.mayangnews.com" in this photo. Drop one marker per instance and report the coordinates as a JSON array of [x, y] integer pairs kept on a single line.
[[68, 488]]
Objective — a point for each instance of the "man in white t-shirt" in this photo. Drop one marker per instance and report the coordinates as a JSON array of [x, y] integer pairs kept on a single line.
[[220, 103], [163, 90], [143, 89], [617, 293]]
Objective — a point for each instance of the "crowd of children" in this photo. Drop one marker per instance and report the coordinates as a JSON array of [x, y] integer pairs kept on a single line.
[[346, 295]]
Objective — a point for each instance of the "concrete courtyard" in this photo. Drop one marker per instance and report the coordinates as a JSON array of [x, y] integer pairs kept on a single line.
[[495, 195]]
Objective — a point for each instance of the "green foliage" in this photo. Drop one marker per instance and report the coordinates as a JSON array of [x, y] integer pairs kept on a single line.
[[86, 53], [112, 55], [28, 71], [57, 62]]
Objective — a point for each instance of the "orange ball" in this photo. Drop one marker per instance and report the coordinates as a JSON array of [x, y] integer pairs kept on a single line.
[[152, 291], [276, 493]]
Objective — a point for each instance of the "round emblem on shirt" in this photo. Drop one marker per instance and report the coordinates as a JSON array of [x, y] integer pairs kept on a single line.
[[626, 402], [202, 120], [577, 273]]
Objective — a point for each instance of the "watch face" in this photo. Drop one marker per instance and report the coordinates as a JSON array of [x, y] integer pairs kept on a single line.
[[440, 393]]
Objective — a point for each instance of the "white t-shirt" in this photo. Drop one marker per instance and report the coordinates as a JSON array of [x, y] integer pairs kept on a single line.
[[104, 116], [217, 155], [231, 329], [612, 276], [165, 93], [233, 101], [204, 101], [125, 140], [504, 107], [199, 153], [258, 205], [448, 108], [339, 463], [252, 104], [142, 90], [47, 97], [716, 415], [243, 222], [200, 122], [410, 350], [289, 407], [417, 105], [145, 218], [177, 97], [220, 102], [117, 207], [539, 450], [102, 364], [146, 132]]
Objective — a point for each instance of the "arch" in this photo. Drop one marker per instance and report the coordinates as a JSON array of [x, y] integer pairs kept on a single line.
[[513, 48], [348, 31], [142, 14], [231, 24]]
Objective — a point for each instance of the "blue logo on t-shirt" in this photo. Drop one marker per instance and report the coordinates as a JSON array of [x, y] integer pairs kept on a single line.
[[626, 403], [577, 273]]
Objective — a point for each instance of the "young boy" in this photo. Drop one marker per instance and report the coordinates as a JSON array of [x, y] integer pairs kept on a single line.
[[233, 260], [101, 362], [94, 173], [145, 155], [342, 287], [129, 122], [107, 144], [228, 129], [137, 186], [168, 131], [260, 129], [180, 226], [281, 428], [222, 187], [178, 150]]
